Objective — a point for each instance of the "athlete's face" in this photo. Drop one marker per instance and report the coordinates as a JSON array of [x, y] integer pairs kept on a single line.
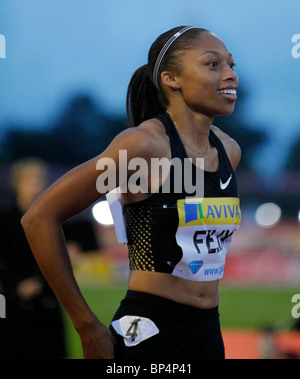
[[207, 70]]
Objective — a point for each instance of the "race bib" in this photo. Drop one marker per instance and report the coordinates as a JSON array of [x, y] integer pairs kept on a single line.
[[204, 233], [135, 329]]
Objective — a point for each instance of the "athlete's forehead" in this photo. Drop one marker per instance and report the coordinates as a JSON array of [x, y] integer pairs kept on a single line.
[[209, 43]]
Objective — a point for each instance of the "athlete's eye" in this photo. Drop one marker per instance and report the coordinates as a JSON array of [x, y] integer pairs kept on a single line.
[[232, 65], [213, 64]]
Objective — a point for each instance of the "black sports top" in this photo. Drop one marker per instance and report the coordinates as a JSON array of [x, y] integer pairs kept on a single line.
[[183, 235]]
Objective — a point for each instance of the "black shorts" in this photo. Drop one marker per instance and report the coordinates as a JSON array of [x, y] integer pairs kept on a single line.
[[151, 327]]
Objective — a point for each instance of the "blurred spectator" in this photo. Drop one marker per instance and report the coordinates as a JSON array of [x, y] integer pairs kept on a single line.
[[33, 327]]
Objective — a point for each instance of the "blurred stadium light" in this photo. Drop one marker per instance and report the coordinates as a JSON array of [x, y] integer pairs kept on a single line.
[[101, 213], [268, 215]]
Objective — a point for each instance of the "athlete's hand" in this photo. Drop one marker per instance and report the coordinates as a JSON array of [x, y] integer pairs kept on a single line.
[[97, 342]]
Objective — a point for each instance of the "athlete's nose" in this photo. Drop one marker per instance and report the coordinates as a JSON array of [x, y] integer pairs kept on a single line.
[[230, 75]]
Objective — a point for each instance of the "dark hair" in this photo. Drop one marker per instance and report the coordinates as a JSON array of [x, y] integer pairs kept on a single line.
[[144, 99]]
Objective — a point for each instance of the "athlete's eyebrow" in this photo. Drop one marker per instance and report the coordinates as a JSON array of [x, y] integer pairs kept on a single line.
[[214, 52]]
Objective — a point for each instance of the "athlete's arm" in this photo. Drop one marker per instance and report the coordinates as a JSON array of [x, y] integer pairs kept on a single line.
[[70, 195]]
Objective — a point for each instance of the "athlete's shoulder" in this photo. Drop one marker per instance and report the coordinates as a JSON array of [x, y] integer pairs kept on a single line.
[[146, 140], [154, 128], [232, 148]]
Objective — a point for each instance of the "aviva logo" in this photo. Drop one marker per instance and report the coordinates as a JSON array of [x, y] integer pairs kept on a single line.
[[209, 211]]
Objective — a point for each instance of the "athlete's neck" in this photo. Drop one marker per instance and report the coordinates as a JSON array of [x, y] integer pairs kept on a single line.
[[194, 126]]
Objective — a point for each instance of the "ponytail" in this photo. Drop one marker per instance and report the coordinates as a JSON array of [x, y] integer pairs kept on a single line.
[[143, 100]]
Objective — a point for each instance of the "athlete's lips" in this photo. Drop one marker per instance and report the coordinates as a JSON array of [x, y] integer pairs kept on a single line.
[[228, 92], [230, 87]]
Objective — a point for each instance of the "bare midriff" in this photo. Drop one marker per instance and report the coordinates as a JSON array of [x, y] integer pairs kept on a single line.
[[203, 295]]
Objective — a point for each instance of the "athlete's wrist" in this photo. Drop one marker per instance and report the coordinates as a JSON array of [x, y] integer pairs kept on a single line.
[[86, 322]]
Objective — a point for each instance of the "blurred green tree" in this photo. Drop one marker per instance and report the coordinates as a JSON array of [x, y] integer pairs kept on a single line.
[[83, 130], [293, 159]]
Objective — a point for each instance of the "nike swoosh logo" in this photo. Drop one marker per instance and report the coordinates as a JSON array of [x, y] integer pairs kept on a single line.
[[225, 185]]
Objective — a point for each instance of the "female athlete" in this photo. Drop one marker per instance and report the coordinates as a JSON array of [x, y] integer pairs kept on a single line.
[[177, 241]]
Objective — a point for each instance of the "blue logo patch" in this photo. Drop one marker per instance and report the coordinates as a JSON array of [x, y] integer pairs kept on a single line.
[[195, 266]]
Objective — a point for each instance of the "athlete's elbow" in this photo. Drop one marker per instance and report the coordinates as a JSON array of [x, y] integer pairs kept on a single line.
[[26, 221], [31, 219]]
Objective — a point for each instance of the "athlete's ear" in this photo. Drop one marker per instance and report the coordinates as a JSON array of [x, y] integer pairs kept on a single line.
[[169, 80]]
